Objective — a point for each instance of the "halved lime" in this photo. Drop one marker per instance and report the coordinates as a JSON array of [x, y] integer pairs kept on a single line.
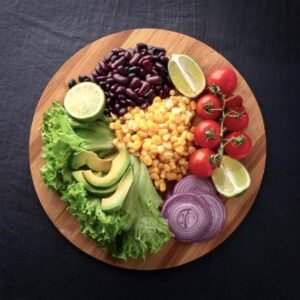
[[186, 75], [85, 101], [231, 178]]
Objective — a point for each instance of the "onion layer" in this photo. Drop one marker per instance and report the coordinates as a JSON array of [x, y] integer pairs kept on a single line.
[[193, 184]]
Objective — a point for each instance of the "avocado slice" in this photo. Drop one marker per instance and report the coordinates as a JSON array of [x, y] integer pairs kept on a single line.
[[92, 160], [100, 192], [118, 167], [115, 201]]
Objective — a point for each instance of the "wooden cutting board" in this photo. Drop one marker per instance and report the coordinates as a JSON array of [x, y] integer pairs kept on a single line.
[[83, 62]]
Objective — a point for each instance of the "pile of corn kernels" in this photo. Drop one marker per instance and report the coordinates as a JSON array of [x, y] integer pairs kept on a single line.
[[161, 136]]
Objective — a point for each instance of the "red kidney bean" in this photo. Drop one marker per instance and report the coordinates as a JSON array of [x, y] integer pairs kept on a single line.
[[154, 79], [135, 58], [102, 84], [107, 86], [130, 102], [104, 66], [155, 57], [117, 50], [134, 69], [164, 59], [111, 94], [110, 80], [157, 88], [131, 94], [114, 58], [140, 100], [101, 78], [121, 90], [143, 72], [122, 70], [122, 111], [72, 83], [109, 74], [159, 66], [99, 70], [147, 65], [128, 55], [120, 79], [149, 94], [131, 75], [121, 97], [114, 87], [131, 51], [144, 105], [141, 45], [123, 103], [118, 62], [144, 88], [135, 82]]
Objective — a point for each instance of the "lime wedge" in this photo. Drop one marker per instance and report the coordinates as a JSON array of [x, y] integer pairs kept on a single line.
[[85, 101], [231, 178], [186, 75]]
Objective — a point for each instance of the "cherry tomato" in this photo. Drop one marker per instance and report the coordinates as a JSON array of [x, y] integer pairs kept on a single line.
[[209, 107], [207, 134], [224, 78], [237, 145], [201, 163], [236, 119], [233, 100]]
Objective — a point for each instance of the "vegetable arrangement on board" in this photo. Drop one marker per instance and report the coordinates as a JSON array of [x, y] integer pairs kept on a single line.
[[125, 134]]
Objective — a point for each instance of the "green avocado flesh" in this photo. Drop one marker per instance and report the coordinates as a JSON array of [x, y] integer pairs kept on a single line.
[[118, 167], [100, 192], [91, 160], [115, 201]]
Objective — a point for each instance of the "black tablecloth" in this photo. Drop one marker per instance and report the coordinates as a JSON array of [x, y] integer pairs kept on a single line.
[[260, 260]]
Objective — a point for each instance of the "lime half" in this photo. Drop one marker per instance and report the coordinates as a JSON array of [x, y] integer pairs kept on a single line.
[[186, 75], [85, 101], [231, 178]]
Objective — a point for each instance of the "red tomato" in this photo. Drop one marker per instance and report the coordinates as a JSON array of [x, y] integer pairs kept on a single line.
[[207, 134], [236, 119], [209, 107], [231, 101], [201, 163], [237, 145], [224, 78]]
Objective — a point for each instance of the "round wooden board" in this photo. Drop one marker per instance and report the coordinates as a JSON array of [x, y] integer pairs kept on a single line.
[[83, 62]]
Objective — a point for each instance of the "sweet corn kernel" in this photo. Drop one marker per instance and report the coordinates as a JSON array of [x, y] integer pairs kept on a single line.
[[183, 170], [179, 149], [157, 183], [137, 145], [180, 128], [172, 165], [172, 92], [128, 116], [171, 176], [173, 139], [156, 139], [154, 176], [163, 174], [190, 136], [162, 132], [153, 148], [167, 168], [157, 100], [159, 117], [155, 163], [142, 134], [143, 125], [147, 160], [179, 177], [167, 145], [162, 186], [191, 149], [181, 162]]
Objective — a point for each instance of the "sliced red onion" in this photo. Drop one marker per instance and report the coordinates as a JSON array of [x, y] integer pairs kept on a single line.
[[193, 184], [218, 215], [189, 216], [194, 217]]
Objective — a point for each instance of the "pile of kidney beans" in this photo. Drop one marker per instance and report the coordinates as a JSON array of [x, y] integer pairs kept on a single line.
[[131, 77]]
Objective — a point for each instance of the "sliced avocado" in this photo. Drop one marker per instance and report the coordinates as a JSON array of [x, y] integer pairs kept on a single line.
[[100, 192], [115, 201], [92, 160], [118, 167]]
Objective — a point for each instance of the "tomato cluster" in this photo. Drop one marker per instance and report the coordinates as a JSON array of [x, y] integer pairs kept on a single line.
[[223, 119]]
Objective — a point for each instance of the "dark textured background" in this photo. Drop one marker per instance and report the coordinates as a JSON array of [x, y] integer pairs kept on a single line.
[[261, 259]]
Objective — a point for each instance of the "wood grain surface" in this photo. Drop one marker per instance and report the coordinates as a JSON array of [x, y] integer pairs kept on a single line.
[[84, 61]]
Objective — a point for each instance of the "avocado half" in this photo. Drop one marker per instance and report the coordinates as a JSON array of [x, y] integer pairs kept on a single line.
[[96, 191], [92, 160], [116, 200], [118, 167]]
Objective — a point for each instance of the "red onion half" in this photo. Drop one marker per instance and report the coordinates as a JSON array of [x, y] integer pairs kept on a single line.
[[193, 184], [188, 215]]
